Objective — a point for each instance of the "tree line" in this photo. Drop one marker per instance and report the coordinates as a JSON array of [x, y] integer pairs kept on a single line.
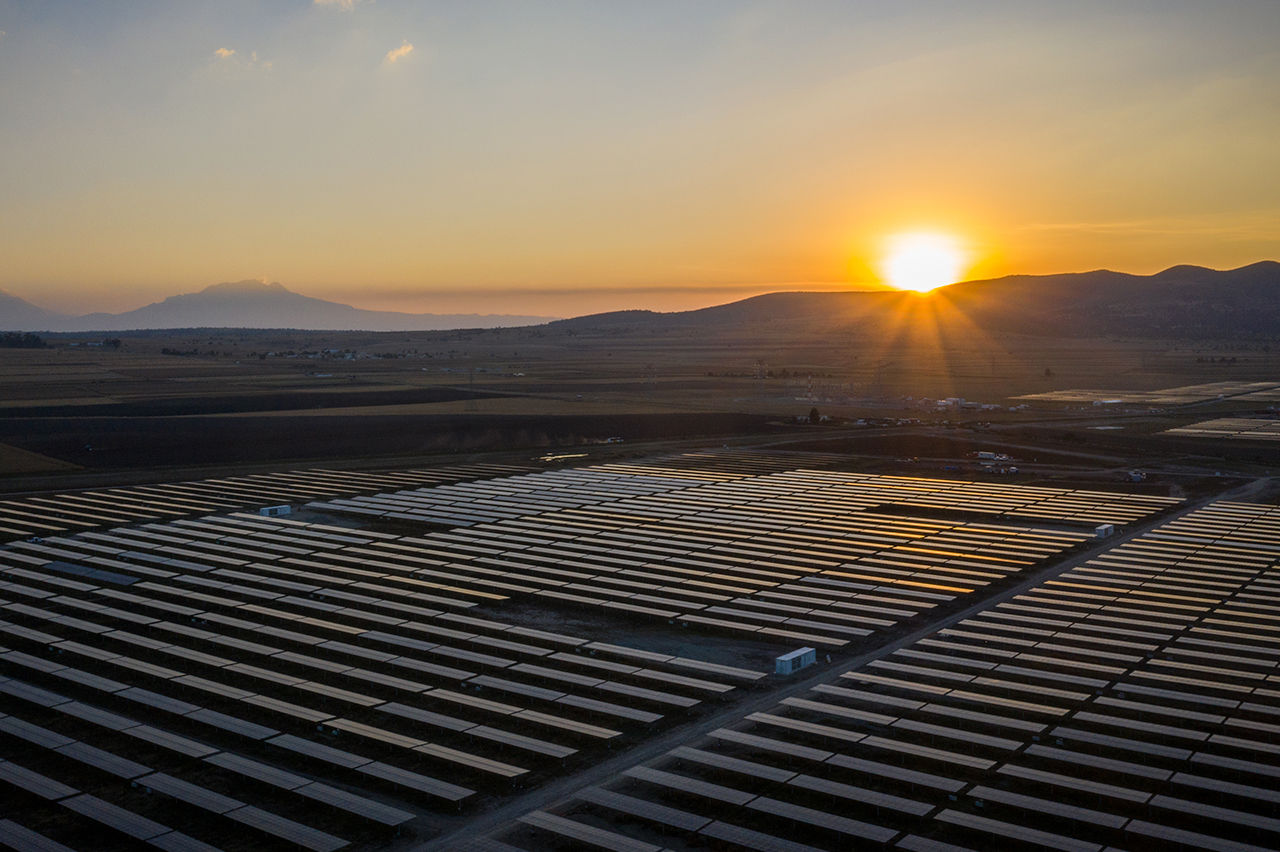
[[21, 340]]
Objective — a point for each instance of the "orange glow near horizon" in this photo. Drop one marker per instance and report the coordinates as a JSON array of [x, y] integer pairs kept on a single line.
[[552, 163], [922, 261]]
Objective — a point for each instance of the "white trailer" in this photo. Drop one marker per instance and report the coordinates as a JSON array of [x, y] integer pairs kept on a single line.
[[795, 661]]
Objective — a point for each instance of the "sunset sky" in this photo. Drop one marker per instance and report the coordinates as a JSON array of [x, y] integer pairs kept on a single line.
[[567, 157]]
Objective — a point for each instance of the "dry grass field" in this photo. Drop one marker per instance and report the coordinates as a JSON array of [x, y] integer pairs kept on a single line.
[[15, 460], [234, 397]]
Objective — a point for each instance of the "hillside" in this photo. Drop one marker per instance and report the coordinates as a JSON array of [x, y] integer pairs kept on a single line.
[[1180, 301]]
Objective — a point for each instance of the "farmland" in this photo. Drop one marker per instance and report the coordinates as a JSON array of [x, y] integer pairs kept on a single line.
[[171, 400]]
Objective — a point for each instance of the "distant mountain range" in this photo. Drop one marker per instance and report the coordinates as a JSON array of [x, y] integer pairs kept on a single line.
[[1182, 301], [1189, 301], [245, 304]]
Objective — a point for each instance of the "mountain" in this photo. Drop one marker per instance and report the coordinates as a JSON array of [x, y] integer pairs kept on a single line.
[[20, 315], [1180, 301], [254, 304]]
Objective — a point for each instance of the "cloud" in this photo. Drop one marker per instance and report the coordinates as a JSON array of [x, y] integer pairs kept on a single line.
[[233, 62], [1139, 227], [343, 5], [399, 53]]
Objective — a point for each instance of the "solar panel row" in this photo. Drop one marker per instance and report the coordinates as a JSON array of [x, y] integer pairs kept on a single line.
[[1167, 396], [1247, 428], [64, 512]]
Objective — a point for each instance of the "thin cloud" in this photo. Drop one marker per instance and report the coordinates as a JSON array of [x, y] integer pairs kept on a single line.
[[623, 289], [399, 53], [342, 5], [1140, 227], [230, 61]]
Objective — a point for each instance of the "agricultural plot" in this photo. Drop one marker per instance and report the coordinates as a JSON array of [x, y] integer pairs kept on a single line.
[[236, 681], [1246, 428], [1131, 702]]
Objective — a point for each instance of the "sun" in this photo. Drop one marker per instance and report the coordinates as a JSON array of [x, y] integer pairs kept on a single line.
[[922, 261]]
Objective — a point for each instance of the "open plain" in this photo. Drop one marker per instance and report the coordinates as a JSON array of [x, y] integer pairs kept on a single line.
[[532, 601]]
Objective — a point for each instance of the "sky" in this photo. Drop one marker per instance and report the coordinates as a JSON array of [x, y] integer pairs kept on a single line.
[[559, 158]]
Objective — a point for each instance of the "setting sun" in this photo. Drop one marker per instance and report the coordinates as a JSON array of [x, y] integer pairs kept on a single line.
[[922, 261]]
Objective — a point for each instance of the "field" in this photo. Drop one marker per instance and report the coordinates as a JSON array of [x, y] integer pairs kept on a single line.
[[531, 589], [184, 400], [16, 461]]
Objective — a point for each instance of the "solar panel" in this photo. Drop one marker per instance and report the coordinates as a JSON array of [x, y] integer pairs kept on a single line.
[[286, 829], [34, 782], [351, 803], [110, 815], [18, 836]]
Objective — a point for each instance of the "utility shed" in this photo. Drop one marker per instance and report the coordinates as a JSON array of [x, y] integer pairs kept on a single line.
[[275, 511], [794, 661], [1104, 531]]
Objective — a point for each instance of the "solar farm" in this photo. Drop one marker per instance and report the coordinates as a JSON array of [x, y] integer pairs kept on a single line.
[[506, 657], [1128, 703], [1184, 395], [1237, 428]]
